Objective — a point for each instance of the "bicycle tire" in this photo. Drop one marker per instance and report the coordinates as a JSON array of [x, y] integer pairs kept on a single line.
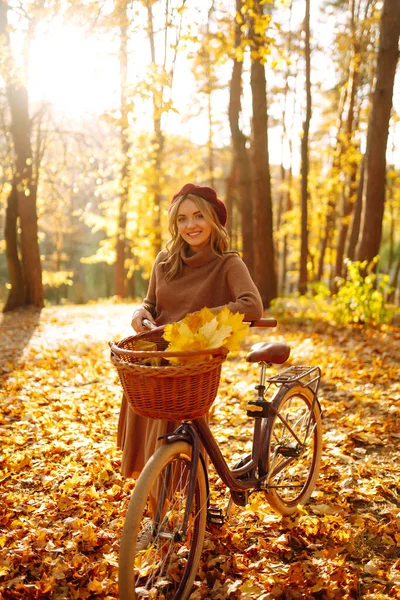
[[291, 479], [167, 567]]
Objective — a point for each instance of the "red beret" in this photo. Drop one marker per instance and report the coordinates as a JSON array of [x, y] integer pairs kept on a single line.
[[208, 194]]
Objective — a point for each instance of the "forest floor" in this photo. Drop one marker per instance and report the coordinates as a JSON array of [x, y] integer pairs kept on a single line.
[[63, 500]]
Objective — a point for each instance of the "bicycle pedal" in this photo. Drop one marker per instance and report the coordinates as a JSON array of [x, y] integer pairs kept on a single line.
[[215, 516], [289, 452]]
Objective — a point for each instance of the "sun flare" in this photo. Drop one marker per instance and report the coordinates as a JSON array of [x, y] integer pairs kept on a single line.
[[72, 70]]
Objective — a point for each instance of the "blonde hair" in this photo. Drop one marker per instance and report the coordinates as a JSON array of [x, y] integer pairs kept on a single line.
[[219, 239]]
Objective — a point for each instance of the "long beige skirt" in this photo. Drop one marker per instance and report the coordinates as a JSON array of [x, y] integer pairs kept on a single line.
[[138, 438]]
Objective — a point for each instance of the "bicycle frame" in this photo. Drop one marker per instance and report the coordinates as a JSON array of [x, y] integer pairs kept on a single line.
[[198, 431]]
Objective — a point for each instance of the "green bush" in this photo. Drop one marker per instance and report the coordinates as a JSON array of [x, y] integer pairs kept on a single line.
[[361, 296], [360, 299]]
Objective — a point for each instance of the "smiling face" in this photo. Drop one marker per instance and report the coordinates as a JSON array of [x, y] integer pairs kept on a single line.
[[193, 227]]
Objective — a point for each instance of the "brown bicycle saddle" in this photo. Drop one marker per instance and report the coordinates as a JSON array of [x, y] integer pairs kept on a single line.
[[272, 352]]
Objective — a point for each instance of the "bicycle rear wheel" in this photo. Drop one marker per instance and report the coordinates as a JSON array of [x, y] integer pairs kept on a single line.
[[293, 447], [157, 558]]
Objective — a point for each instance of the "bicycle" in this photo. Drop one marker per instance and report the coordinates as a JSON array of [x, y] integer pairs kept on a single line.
[[165, 524]]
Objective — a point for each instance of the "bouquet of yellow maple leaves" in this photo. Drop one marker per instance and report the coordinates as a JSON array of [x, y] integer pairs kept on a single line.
[[205, 330]]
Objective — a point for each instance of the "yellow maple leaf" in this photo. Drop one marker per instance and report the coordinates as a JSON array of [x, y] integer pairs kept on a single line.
[[215, 334], [238, 335], [144, 345], [204, 330], [95, 585], [224, 315], [188, 342], [171, 331], [193, 321], [238, 328], [206, 315]]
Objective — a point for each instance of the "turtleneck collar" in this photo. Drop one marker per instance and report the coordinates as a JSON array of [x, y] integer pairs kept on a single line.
[[199, 259]]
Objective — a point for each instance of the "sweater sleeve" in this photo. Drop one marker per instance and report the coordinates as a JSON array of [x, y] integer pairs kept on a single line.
[[245, 296], [149, 302]]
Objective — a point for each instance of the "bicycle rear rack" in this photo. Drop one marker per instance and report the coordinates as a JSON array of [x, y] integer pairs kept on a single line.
[[306, 376]]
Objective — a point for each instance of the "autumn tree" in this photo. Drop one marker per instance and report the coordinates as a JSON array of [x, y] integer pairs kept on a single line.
[[125, 175], [284, 205], [23, 255], [160, 80], [333, 187], [264, 252], [205, 60], [305, 157], [353, 53], [288, 53], [348, 143], [241, 163], [374, 198], [355, 223]]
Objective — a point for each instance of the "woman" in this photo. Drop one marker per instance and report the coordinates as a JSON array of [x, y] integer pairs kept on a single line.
[[195, 270]]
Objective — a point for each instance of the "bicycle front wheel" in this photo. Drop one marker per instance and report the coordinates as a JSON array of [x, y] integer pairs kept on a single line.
[[293, 447], [159, 558]]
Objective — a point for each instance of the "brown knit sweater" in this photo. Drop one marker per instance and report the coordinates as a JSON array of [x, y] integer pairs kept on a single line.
[[206, 280]]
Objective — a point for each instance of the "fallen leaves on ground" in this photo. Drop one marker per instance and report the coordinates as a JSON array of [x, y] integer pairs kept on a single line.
[[63, 500]]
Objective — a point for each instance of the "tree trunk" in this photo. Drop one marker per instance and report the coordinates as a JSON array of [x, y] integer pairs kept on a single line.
[[330, 216], [158, 138], [356, 216], [285, 241], [240, 155], [230, 184], [16, 297], [22, 201], [284, 204], [392, 218], [374, 201], [210, 141], [26, 190], [349, 194], [264, 254], [121, 246], [305, 159], [395, 281]]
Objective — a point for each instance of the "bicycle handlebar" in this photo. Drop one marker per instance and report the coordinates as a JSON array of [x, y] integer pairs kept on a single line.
[[270, 322]]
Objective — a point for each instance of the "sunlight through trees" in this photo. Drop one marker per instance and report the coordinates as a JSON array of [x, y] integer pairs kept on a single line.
[[294, 121]]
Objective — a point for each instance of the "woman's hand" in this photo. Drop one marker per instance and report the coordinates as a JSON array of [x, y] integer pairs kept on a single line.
[[137, 318]]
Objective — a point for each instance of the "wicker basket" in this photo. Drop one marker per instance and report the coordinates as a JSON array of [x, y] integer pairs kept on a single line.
[[173, 392]]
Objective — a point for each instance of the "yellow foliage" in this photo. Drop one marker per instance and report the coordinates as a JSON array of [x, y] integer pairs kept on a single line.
[[239, 329], [205, 330], [146, 346], [55, 279]]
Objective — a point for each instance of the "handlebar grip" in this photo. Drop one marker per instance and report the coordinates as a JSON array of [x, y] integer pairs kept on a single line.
[[270, 322], [147, 323]]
